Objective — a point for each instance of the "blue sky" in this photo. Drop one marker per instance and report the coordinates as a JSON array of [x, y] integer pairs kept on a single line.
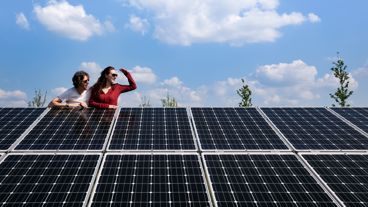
[[195, 50]]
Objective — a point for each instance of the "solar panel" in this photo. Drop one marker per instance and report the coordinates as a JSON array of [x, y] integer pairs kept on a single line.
[[14, 122], [345, 174], [234, 129], [263, 180], [151, 180], [315, 129], [152, 129], [70, 129], [357, 116], [46, 179]]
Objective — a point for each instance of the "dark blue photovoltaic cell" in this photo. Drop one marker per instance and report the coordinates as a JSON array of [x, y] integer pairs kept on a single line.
[[346, 175], [357, 116], [234, 129], [69, 129], [315, 129], [151, 180], [263, 180], [14, 122], [51, 180], [152, 129]]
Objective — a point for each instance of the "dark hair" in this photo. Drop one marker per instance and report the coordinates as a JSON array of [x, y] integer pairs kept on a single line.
[[101, 82], [78, 78]]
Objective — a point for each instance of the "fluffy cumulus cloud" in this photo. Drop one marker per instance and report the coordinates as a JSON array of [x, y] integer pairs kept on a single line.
[[15, 98], [138, 24], [70, 21], [295, 83], [93, 69], [143, 75], [224, 21], [22, 21]]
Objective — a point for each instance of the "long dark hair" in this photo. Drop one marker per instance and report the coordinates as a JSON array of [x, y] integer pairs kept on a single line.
[[101, 82]]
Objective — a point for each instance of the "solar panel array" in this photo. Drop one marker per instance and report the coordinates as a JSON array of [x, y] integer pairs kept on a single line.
[[14, 122], [152, 129], [345, 174], [234, 129], [357, 116], [184, 157], [39, 179], [263, 180], [316, 129], [151, 180], [70, 129]]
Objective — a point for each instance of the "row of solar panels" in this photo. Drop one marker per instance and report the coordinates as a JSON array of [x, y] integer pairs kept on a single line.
[[34, 172], [181, 129], [172, 179]]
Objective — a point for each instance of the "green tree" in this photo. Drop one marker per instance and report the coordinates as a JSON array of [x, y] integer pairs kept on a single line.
[[245, 93], [145, 102], [169, 102], [342, 93], [39, 99]]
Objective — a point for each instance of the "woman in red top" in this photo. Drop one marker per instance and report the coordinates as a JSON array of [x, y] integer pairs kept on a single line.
[[105, 92]]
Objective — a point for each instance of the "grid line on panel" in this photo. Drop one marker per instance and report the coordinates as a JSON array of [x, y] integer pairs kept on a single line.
[[345, 174], [14, 122], [315, 129], [69, 129], [152, 129], [234, 129], [357, 116], [46, 179], [263, 180], [151, 180]]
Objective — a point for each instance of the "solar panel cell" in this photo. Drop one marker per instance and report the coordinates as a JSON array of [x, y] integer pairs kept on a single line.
[[234, 129], [152, 129]]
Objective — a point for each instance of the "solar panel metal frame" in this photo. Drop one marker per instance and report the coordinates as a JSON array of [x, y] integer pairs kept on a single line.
[[204, 176], [312, 150], [13, 148], [318, 176], [347, 121], [192, 128], [302, 161], [241, 150], [94, 175], [30, 127]]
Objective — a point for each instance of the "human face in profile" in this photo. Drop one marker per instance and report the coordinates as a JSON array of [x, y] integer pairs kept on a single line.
[[111, 77], [84, 83]]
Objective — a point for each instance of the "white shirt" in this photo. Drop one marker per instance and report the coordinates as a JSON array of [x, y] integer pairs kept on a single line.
[[72, 96]]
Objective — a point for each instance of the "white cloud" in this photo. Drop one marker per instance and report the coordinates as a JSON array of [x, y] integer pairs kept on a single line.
[[143, 75], [22, 21], [287, 73], [93, 70], [313, 17], [15, 98], [138, 24], [70, 21], [235, 22], [173, 82]]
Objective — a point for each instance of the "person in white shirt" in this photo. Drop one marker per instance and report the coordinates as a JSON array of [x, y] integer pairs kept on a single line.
[[76, 96]]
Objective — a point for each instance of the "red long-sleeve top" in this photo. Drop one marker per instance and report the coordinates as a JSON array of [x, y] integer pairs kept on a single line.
[[103, 100]]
